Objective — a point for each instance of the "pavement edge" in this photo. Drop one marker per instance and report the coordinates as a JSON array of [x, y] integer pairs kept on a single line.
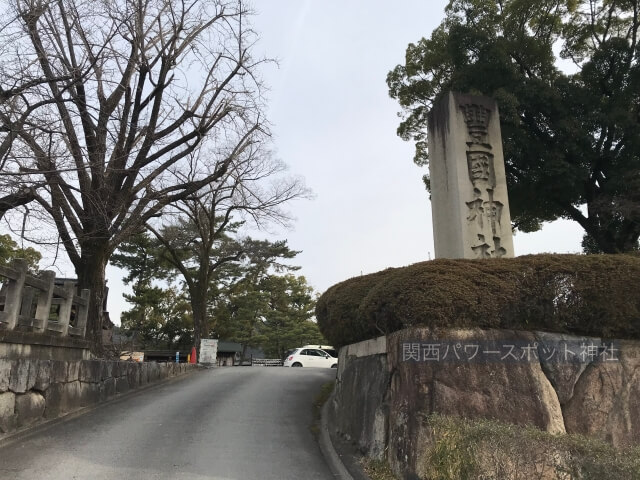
[[326, 445]]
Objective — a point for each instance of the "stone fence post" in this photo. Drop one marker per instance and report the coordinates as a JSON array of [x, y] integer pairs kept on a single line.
[[16, 274], [22, 292]]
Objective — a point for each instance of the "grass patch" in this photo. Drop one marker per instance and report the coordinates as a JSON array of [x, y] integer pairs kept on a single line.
[[318, 402], [459, 449], [377, 469]]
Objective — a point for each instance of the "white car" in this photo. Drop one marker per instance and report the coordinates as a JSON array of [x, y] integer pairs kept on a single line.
[[325, 348], [310, 357]]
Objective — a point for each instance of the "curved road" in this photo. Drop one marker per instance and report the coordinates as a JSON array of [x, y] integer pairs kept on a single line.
[[239, 423]]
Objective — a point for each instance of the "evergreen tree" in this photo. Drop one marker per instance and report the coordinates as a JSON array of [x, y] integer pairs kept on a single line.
[[571, 136]]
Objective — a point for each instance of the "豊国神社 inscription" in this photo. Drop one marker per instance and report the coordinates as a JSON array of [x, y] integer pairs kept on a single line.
[[470, 206]]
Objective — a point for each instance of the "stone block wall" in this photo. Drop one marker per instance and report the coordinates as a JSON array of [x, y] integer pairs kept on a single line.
[[35, 390], [381, 400], [360, 402]]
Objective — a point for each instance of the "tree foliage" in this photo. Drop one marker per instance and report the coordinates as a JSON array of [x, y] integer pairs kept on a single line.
[[198, 233], [159, 318], [566, 76], [235, 289], [10, 250], [274, 314]]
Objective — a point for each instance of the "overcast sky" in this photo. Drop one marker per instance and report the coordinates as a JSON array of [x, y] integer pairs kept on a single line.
[[334, 124]]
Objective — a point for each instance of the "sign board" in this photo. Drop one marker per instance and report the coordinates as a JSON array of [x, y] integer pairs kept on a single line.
[[135, 356], [208, 350]]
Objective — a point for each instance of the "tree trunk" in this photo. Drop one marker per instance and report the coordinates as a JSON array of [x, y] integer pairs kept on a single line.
[[91, 275], [243, 354], [199, 307]]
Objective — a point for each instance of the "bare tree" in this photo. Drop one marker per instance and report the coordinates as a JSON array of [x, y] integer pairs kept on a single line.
[[133, 89], [198, 239]]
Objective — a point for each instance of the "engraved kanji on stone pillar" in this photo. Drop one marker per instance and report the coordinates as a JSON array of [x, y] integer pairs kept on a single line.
[[477, 119], [468, 188]]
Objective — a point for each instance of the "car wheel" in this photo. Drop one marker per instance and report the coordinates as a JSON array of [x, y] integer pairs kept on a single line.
[[335, 365], [297, 364]]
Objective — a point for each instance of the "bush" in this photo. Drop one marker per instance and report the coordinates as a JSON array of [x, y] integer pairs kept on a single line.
[[591, 295], [459, 449]]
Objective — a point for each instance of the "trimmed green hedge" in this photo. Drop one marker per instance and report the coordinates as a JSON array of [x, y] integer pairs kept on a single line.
[[592, 295]]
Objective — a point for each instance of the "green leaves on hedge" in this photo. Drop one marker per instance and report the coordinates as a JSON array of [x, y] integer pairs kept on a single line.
[[591, 295]]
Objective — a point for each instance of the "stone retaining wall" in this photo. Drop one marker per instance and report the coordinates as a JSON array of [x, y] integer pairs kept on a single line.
[[35, 390], [380, 400]]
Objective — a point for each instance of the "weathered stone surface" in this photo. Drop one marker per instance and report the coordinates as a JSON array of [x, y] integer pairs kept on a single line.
[[470, 205], [23, 376], [43, 375], [72, 396], [154, 372], [361, 388], [514, 392], [600, 398], [5, 374], [133, 374], [73, 373], [144, 373], [109, 387], [90, 371], [29, 408], [54, 400], [107, 370], [375, 346], [59, 371], [35, 389], [91, 393], [606, 399], [563, 373], [122, 385], [7, 412], [62, 398]]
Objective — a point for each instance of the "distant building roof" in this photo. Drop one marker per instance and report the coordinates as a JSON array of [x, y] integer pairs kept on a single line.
[[229, 347]]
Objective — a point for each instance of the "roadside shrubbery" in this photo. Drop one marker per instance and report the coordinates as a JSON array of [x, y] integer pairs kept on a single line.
[[592, 295], [459, 449]]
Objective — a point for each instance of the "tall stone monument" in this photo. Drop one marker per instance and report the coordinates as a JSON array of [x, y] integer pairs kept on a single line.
[[470, 206]]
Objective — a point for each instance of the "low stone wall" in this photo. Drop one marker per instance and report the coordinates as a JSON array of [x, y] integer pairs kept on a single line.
[[381, 399], [360, 400], [35, 390], [38, 346]]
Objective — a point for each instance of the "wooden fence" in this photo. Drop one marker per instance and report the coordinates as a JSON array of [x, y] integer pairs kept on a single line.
[[36, 303]]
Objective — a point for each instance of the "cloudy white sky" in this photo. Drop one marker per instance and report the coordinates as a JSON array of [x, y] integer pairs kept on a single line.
[[334, 124]]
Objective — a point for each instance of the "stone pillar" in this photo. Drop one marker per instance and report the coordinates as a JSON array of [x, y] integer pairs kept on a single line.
[[470, 205], [16, 275]]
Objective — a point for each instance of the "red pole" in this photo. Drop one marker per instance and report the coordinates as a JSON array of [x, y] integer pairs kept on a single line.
[[193, 355]]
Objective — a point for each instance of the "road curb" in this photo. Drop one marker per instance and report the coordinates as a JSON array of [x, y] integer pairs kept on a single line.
[[326, 446]]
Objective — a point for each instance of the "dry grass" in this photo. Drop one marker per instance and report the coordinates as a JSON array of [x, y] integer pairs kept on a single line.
[[377, 469]]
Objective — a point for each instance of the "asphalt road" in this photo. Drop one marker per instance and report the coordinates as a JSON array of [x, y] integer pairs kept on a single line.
[[239, 423]]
